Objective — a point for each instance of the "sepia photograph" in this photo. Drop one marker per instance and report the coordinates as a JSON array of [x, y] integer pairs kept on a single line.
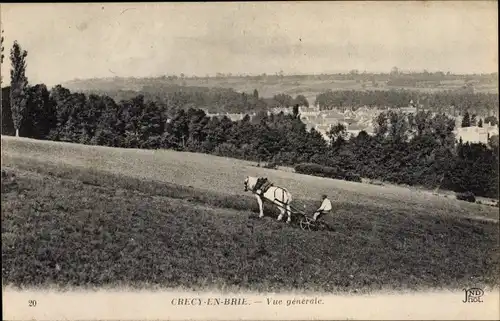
[[288, 160]]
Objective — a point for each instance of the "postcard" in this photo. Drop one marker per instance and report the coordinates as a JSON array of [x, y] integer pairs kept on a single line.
[[326, 160]]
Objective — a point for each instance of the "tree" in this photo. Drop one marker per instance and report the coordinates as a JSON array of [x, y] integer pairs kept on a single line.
[[492, 120], [107, 132], [150, 126], [296, 114], [380, 124], [1, 48], [255, 94], [1, 53], [473, 120], [41, 115], [466, 120], [7, 125], [337, 135], [398, 127], [480, 123], [493, 141], [284, 100], [301, 100], [18, 84]]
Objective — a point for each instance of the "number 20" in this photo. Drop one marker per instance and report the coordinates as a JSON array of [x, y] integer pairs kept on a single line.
[[32, 303]]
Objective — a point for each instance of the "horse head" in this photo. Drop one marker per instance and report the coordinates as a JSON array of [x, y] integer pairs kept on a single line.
[[249, 183]]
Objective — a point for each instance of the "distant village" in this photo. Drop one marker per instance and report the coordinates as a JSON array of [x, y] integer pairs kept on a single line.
[[361, 119]]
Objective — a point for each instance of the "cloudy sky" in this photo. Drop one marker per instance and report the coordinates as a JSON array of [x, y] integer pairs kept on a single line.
[[67, 41]]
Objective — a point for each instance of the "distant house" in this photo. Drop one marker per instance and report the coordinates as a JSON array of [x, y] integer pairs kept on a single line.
[[303, 109], [311, 118], [363, 110], [235, 117], [332, 114], [370, 130], [284, 110], [356, 127], [475, 134], [408, 110], [316, 118], [232, 117], [311, 113], [349, 120], [324, 128], [331, 121], [350, 114]]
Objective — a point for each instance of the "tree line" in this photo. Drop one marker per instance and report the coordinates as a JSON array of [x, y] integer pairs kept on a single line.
[[413, 150], [410, 149], [392, 77], [224, 100], [448, 101], [213, 100]]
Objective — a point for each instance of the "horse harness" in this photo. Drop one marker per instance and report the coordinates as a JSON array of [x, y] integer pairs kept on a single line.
[[263, 184]]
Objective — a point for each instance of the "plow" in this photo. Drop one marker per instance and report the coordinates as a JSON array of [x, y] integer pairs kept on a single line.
[[306, 222], [267, 191]]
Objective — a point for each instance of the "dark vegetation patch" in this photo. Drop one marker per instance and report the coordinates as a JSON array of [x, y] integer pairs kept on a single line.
[[327, 171], [467, 196]]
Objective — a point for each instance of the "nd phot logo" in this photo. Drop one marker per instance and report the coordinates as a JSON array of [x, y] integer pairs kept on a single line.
[[473, 295]]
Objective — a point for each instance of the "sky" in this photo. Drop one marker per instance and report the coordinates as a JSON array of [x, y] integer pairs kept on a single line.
[[68, 41]]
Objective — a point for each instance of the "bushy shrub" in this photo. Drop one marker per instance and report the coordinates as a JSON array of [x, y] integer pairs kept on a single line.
[[466, 196], [327, 171], [352, 177]]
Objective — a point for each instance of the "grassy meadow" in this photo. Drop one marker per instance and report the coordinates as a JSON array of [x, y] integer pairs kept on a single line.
[[75, 215], [309, 86]]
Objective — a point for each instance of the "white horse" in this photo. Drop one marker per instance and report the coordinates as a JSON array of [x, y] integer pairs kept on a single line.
[[277, 195]]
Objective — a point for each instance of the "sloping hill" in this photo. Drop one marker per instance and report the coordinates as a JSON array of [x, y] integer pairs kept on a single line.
[[69, 218], [308, 86], [226, 175]]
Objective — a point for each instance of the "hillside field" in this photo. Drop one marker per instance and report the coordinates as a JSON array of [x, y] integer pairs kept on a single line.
[[75, 215], [309, 86]]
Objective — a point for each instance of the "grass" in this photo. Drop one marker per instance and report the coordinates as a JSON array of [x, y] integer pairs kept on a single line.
[[225, 176], [65, 225]]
